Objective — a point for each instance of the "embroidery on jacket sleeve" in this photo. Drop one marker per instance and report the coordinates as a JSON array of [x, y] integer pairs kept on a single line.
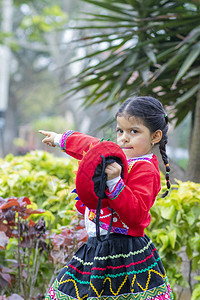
[[117, 190], [64, 139]]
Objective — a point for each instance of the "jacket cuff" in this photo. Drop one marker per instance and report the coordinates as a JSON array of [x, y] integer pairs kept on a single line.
[[117, 190], [112, 183], [64, 139], [57, 139]]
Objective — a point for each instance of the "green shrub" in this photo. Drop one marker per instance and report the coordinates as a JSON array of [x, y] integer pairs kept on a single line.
[[46, 180], [175, 229], [30, 257]]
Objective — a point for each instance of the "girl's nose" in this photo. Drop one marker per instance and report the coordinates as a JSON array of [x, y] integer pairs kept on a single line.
[[125, 137]]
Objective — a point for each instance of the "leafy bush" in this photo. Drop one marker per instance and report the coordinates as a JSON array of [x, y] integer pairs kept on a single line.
[[27, 244], [29, 256], [175, 230], [46, 180], [28, 262]]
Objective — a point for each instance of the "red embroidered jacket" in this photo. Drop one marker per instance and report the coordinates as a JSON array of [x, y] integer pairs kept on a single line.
[[131, 202]]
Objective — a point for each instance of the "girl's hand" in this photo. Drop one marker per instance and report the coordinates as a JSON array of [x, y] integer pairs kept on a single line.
[[49, 139], [113, 170]]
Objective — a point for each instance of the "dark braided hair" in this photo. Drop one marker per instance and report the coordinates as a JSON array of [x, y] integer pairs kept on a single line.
[[151, 111]]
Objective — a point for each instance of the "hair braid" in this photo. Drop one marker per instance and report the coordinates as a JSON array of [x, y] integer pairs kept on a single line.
[[162, 147]]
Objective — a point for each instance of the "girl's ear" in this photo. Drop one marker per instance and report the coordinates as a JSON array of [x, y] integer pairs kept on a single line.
[[156, 137]]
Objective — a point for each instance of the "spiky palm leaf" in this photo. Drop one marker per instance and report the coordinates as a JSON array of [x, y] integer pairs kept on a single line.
[[150, 47]]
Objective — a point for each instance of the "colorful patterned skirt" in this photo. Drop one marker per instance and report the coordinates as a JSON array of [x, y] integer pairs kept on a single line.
[[120, 267]]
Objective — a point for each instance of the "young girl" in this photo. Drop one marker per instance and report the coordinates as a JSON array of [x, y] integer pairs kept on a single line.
[[126, 265]]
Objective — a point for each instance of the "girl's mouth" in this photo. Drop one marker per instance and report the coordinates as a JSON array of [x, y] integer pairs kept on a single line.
[[127, 148]]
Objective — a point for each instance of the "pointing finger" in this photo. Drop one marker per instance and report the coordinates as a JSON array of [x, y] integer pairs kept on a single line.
[[47, 133]]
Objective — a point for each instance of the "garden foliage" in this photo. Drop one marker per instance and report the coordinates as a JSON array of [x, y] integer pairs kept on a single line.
[[46, 180], [34, 248], [27, 258], [175, 229]]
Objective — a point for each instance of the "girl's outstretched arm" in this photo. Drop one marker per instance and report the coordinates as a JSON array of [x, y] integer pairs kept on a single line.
[[49, 139], [71, 142]]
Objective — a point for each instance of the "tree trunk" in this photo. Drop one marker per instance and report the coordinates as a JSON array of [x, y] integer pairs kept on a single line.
[[10, 131], [6, 27], [5, 55], [193, 168]]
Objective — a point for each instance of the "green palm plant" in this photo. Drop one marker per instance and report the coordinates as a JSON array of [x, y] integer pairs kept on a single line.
[[144, 47]]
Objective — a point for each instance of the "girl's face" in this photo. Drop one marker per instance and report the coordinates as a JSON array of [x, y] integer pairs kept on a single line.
[[133, 136]]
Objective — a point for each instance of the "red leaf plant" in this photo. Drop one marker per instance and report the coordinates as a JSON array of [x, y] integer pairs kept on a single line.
[[68, 241], [30, 238], [32, 242]]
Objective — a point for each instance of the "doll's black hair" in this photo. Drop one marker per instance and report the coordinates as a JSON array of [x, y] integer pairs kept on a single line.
[[152, 113]]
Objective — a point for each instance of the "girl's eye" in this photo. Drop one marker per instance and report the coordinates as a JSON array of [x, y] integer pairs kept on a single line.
[[118, 130], [133, 131]]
